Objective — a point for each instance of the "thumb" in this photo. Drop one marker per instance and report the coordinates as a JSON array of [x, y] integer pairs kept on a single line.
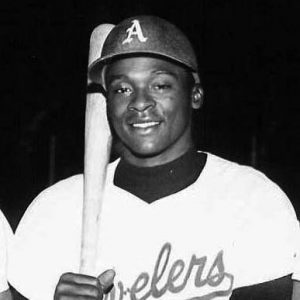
[[107, 280]]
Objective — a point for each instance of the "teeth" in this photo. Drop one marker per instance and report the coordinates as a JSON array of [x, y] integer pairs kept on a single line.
[[145, 125]]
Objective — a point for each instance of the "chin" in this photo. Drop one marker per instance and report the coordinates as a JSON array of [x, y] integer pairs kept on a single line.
[[146, 151]]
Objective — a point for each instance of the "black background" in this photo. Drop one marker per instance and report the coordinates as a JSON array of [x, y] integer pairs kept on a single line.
[[249, 58]]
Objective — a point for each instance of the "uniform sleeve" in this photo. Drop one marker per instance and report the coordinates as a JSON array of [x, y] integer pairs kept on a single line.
[[5, 240], [47, 241], [268, 238]]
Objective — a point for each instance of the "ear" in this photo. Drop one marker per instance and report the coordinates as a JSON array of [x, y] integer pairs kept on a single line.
[[197, 96]]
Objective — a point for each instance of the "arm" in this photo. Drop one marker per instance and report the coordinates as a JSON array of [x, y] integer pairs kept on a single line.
[[6, 295], [278, 289], [296, 290]]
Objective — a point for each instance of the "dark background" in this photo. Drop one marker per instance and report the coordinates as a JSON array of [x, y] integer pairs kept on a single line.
[[249, 57]]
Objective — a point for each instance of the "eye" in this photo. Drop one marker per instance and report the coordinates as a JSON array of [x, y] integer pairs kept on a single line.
[[122, 90], [160, 87], [163, 86]]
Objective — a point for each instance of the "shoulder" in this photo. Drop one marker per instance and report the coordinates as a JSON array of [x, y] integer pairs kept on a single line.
[[59, 201], [66, 193], [63, 196], [235, 171], [54, 207], [252, 187], [72, 186]]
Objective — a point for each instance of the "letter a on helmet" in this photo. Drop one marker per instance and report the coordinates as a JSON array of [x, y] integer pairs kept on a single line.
[[135, 29]]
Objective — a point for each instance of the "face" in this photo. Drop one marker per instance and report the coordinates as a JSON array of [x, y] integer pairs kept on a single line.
[[149, 104]]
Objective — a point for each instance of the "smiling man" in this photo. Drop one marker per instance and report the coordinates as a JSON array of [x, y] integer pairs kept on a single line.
[[177, 223]]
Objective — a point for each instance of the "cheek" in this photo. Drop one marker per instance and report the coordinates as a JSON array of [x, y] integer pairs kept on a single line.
[[178, 109], [115, 110]]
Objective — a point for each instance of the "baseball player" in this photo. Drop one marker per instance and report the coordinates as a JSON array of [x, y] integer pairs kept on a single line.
[[177, 223], [5, 238]]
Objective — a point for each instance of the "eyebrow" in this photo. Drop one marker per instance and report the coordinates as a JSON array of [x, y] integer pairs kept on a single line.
[[115, 77], [155, 72], [159, 71]]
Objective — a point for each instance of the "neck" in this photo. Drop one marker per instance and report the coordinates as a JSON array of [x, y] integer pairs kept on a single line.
[[157, 159]]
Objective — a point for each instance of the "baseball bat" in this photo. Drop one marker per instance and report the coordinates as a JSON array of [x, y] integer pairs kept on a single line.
[[96, 157]]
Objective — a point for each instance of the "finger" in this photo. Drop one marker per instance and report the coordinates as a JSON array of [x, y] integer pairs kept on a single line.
[[72, 297], [79, 290], [79, 279], [106, 280]]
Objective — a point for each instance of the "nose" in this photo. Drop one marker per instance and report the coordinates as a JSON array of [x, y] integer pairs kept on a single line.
[[141, 101]]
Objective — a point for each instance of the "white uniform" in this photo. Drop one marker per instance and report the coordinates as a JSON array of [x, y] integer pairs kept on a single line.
[[233, 227], [5, 239]]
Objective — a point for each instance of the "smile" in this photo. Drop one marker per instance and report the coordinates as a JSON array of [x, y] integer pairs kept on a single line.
[[145, 124]]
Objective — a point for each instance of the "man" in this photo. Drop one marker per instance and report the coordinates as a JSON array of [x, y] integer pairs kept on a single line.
[[5, 238], [177, 223]]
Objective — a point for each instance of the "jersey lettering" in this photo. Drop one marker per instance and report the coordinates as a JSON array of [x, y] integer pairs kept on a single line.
[[174, 278], [135, 30]]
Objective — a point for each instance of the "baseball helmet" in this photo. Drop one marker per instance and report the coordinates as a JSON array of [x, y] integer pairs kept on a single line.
[[149, 35]]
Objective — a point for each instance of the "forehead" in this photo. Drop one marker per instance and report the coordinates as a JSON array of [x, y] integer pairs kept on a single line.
[[139, 66]]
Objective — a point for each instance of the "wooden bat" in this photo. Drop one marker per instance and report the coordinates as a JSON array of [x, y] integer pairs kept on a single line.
[[96, 157]]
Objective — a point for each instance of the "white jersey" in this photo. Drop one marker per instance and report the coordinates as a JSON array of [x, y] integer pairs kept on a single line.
[[233, 227], [5, 239]]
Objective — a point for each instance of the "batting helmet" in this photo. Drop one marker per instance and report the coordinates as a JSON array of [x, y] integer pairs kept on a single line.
[[148, 35]]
